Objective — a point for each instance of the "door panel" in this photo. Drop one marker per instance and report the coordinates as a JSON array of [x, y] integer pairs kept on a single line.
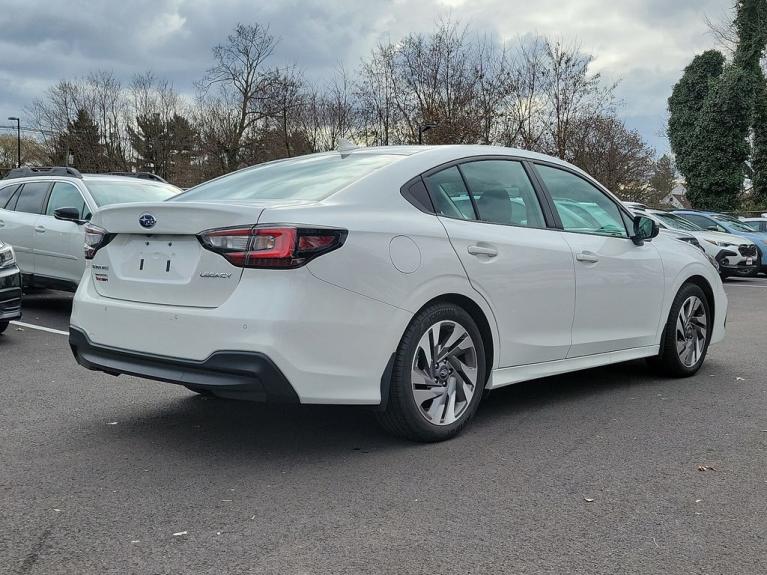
[[17, 229], [619, 288], [529, 284], [619, 285], [59, 244], [523, 270]]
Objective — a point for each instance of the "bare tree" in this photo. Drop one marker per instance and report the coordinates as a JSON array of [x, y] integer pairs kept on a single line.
[[235, 89]]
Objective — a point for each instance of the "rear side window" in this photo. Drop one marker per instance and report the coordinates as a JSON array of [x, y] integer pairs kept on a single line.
[[449, 194], [31, 197], [6, 193], [65, 195], [314, 177], [503, 193]]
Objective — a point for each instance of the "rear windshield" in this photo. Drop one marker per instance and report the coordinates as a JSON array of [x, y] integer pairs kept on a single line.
[[306, 178], [111, 192]]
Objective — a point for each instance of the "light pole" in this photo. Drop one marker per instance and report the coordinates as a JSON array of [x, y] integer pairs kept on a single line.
[[18, 140], [422, 129]]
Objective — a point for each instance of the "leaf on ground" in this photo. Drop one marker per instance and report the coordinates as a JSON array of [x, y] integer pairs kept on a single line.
[[588, 500], [706, 468]]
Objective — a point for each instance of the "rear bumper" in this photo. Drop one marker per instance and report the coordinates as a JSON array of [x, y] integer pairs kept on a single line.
[[331, 344], [10, 294], [239, 374]]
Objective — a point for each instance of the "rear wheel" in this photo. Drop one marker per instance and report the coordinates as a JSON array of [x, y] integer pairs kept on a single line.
[[3, 326], [687, 333], [438, 376]]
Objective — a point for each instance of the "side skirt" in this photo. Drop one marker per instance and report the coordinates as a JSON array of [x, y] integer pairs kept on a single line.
[[517, 374]]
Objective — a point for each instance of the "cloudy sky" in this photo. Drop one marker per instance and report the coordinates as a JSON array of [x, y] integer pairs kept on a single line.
[[645, 43]]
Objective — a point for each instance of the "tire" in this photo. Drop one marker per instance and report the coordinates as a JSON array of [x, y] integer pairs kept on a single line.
[[443, 407], [3, 326], [685, 344]]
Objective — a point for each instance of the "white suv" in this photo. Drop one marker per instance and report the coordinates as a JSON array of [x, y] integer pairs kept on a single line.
[[42, 212]]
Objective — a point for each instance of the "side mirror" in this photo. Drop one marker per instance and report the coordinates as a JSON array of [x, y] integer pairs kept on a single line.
[[713, 228], [68, 215], [644, 229]]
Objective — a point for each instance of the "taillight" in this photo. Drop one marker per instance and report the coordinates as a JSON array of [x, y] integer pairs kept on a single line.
[[271, 246], [95, 238]]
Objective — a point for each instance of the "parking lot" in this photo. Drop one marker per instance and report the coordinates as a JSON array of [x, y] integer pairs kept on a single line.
[[606, 471]]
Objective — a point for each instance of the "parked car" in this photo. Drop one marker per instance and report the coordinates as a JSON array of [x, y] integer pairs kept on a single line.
[[42, 212], [641, 209], [409, 278], [756, 224], [727, 224], [734, 255], [10, 287]]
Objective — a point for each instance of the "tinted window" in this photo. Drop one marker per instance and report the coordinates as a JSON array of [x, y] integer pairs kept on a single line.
[[581, 206], [6, 193], [31, 197], [449, 194], [108, 192], [312, 177], [503, 193], [65, 195], [677, 223], [736, 225], [703, 222]]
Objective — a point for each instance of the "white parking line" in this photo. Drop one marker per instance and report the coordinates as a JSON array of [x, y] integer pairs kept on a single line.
[[763, 286], [39, 327]]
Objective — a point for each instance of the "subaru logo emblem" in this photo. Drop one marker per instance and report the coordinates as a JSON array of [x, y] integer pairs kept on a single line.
[[147, 220]]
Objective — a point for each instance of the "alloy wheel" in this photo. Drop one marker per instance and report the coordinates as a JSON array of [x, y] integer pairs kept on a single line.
[[444, 372], [691, 331]]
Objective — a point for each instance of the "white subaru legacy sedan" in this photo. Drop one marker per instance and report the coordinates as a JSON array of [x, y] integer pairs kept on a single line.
[[408, 278]]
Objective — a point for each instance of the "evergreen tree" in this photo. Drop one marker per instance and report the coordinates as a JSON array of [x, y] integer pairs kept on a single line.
[[165, 148], [81, 142], [664, 176], [759, 153], [685, 107], [721, 151]]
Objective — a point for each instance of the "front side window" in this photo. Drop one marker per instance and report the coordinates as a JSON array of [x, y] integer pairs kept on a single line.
[[66, 195], [582, 207], [31, 197], [449, 194], [503, 193]]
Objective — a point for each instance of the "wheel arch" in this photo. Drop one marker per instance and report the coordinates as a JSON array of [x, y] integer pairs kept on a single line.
[[703, 284], [477, 314], [479, 317]]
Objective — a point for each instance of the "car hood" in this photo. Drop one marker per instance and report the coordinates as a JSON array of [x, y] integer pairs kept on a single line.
[[721, 237]]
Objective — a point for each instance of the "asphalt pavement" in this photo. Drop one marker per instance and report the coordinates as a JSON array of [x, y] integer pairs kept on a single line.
[[612, 470]]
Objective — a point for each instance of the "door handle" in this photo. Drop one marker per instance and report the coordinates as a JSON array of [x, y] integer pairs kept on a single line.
[[482, 251], [2, 224], [587, 257], [40, 229]]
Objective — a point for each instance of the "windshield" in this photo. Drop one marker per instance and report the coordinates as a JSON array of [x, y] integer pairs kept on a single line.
[[733, 223], [753, 225], [108, 192], [677, 223], [312, 177]]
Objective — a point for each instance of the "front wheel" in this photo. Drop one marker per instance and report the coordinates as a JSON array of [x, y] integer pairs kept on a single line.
[[687, 333], [438, 376]]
